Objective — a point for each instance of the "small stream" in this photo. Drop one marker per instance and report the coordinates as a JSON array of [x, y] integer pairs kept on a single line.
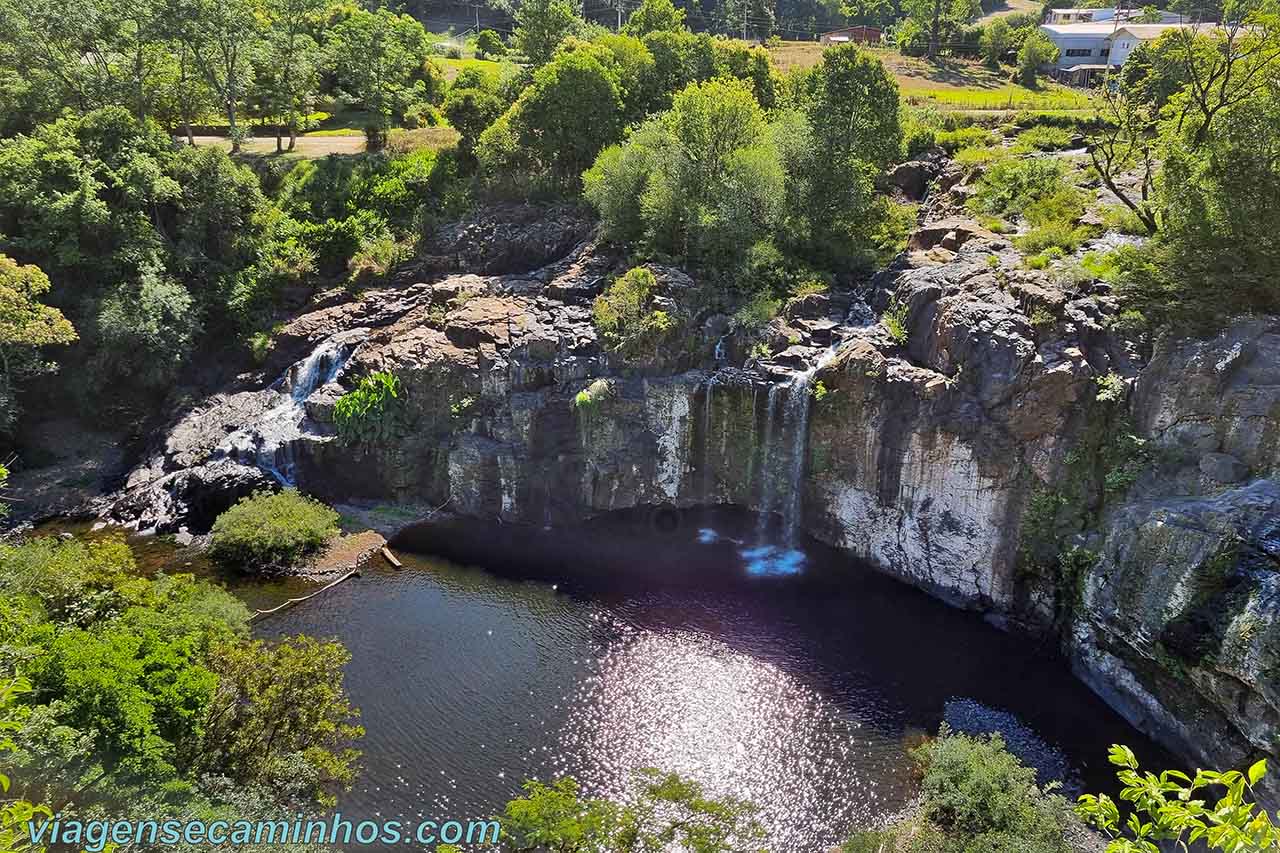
[[795, 677]]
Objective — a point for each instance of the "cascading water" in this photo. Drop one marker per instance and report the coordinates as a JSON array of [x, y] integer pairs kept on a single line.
[[708, 460], [768, 478], [783, 472], [268, 443]]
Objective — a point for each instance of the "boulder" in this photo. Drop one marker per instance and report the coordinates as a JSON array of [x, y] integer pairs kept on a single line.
[[950, 233], [1223, 468]]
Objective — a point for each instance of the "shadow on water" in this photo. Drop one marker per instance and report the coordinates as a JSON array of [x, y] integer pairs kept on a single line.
[[796, 678]]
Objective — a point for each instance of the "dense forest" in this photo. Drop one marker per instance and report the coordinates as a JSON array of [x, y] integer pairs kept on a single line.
[[144, 253]]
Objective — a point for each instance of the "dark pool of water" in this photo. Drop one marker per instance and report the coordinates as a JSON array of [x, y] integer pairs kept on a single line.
[[796, 680]]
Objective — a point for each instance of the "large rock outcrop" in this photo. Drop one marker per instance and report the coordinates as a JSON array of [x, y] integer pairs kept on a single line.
[[932, 455]]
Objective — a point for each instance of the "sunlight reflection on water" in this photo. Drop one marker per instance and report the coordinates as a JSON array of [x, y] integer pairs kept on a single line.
[[793, 679]]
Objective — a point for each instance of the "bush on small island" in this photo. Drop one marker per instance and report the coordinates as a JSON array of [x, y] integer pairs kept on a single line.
[[271, 532], [976, 797]]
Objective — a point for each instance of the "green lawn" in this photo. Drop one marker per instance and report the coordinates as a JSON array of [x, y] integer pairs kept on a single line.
[[452, 67], [947, 83]]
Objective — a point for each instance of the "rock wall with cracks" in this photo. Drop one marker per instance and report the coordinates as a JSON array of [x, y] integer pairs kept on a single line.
[[921, 456]]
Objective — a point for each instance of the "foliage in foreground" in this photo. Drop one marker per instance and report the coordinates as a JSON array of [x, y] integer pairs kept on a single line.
[[270, 531], [148, 698], [669, 813], [1211, 807]]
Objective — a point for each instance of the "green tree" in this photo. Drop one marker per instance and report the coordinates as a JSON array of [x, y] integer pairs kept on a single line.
[[16, 812], [279, 710], [380, 59], [1212, 255], [26, 326], [470, 111], [653, 16], [939, 20], [871, 13], [222, 36], [997, 37], [1212, 808], [146, 329], [680, 58], [852, 131], [850, 102], [140, 690], [84, 49], [542, 24], [489, 44], [1037, 50], [571, 110], [710, 183], [289, 76]]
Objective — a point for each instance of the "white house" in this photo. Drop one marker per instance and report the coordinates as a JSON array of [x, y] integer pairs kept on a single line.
[[1090, 48]]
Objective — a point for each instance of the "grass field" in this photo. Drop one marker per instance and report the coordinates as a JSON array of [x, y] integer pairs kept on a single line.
[[948, 83], [1011, 7], [452, 67], [317, 147]]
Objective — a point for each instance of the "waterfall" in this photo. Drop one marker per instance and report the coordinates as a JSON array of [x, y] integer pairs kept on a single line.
[[708, 461], [788, 467], [268, 442], [768, 480]]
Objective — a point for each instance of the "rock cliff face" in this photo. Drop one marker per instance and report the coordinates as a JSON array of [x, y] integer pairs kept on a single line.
[[933, 457]]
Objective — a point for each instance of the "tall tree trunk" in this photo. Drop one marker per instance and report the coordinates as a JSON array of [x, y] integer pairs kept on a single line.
[[293, 134], [933, 30], [231, 119]]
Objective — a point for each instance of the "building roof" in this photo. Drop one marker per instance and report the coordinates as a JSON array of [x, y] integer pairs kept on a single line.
[[1102, 28], [1142, 32], [1146, 32]]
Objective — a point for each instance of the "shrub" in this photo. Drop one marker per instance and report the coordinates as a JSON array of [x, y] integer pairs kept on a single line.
[[364, 414], [809, 287], [756, 313], [894, 320], [335, 241], [917, 136], [489, 43], [593, 395], [623, 317], [1064, 206], [966, 137], [267, 531], [1055, 235], [1011, 186], [375, 259], [975, 789], [972, 157], [1117, 217], [1046, 138]]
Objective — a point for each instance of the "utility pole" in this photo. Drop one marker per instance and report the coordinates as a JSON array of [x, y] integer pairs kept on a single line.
[[619, 7]]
